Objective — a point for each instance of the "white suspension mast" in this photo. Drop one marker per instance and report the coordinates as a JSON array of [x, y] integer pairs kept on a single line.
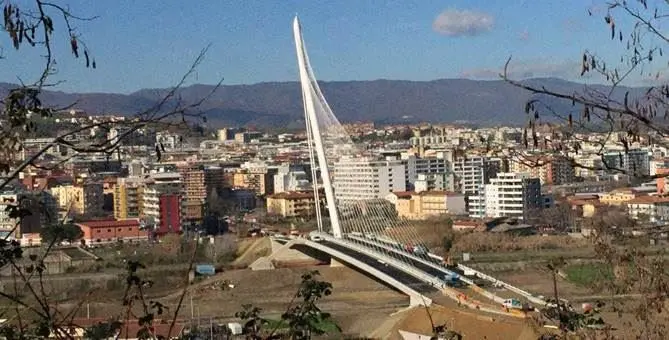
[[308, 90]]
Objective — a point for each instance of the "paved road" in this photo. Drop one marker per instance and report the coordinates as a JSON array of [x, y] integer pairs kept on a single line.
[[397, 274]]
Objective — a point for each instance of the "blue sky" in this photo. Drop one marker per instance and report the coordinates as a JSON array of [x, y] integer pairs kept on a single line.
[[150, 43]]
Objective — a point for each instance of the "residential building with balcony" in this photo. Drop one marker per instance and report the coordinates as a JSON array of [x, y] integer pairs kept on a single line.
[[360, 178], [80, 199], [551, 170], [512, 195], [422, 205], [292, 204], [128, 194], [163, 192], [649, 208]]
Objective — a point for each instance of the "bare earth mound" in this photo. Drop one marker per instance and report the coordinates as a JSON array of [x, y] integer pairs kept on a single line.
[[470, 325]]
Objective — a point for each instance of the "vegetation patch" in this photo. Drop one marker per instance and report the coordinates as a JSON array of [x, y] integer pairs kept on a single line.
[[588, 274]]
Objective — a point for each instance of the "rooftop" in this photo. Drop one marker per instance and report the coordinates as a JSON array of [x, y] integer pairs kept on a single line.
[[109, 224]]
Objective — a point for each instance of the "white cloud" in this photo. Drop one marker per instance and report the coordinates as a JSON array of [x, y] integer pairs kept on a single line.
[[453, 22], [528, 69]]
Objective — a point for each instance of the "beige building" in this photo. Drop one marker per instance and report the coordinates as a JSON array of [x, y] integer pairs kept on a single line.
[[549, 170], [193, 182], [291, 204], [619, 196], [128, 197], [84, 199], [255, 181], [418, 206]]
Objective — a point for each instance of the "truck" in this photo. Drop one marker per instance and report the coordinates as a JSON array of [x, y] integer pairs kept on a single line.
[[451, 280], [512, 304]]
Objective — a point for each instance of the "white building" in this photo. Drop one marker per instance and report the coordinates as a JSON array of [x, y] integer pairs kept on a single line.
[[360, 178], [512, 195], [649, 208], [160, 183], [7, 223], [476, 205], [169, 140], [472, 172], [436, 181], [292, 180]]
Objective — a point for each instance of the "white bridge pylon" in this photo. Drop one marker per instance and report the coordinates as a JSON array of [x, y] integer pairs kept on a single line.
[[313, 99]]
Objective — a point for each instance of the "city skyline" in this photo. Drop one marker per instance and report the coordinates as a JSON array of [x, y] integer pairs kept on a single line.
[[151, 45]]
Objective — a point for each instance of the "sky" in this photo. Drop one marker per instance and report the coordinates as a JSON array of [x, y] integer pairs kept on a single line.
[[151, 43]]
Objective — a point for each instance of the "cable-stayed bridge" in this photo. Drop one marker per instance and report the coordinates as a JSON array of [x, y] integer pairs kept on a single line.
[[367, 233]]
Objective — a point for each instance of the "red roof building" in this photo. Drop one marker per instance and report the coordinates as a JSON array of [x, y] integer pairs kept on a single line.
[[107, 231]]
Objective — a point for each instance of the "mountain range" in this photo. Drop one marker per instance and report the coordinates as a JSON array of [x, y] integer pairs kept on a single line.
[[279, 104]]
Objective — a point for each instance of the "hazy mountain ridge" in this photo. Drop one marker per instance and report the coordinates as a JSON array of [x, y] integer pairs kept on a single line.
[[387, 101]]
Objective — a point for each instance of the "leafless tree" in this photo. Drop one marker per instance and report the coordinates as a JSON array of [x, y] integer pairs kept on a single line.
[[597, 118], [40, 25]]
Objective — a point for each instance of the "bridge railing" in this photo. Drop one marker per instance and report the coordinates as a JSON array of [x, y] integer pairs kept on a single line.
[[514, 289], [416, 297], [413, 257], [433, 281]]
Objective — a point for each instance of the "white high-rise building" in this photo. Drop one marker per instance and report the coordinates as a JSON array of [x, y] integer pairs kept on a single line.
[[512, 194], [291, 180], [360, 178], [158, 184], [472, 172]]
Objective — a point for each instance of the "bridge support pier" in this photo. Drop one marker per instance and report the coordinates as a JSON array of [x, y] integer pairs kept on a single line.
[[416, 300], [334, 263]]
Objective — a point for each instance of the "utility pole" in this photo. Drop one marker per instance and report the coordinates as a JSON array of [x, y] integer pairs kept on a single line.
[[192, 314]]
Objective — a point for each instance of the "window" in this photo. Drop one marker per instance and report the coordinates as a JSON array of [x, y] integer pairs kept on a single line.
[[109, 230]]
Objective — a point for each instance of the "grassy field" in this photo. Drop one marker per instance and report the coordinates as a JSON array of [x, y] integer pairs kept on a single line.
[[588, 274]]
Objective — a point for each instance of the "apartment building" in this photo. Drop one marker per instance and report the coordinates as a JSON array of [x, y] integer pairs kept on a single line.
[[416, 166], [217, 178], [290, 179], [635, 162], [422, 205], [434, 182], [292, 204], [552, 170], [193, 178], [31, 146], [7, 224], [80, 199], [649, 208], [366, 178], [128, 194], [619, 196], [512, 195], [162, 202], [245, 179], [472, 172]]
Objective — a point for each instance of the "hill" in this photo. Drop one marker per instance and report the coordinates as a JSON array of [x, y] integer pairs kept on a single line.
[[381, 101]]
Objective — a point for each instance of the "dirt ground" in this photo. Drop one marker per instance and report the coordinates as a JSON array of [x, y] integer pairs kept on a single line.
[[272, 290], [468, 324], [251, 250]]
